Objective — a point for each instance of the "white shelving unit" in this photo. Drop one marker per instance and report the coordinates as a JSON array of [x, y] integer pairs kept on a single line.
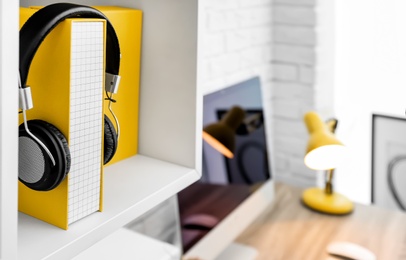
[[124, 240], [169, 133]]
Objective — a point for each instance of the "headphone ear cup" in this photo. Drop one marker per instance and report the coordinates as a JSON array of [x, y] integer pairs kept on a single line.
[[36, 169], [110, 140]]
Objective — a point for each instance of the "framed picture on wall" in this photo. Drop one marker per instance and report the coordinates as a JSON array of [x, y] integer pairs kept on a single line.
[[388, 161]]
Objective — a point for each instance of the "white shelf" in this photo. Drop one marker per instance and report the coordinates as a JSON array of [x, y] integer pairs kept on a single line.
[[169, 132], [120, 245], [131, 187]]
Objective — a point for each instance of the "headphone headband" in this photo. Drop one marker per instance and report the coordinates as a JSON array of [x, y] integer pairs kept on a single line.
[[41, 23]]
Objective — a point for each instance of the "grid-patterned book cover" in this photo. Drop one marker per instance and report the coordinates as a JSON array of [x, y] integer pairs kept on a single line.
[[86, 113]]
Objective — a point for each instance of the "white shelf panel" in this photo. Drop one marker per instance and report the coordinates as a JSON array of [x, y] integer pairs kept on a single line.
[[131, 187], [125, 244]]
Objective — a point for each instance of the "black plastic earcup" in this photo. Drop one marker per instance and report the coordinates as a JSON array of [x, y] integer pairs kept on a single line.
[[36, 169], [110, 140]]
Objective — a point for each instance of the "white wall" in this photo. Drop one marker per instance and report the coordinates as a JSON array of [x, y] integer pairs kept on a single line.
[[293, 86], [370, 67], [236, 42]]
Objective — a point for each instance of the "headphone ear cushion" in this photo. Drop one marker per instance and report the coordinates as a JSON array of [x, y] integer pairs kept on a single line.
[[110, 140], [45, 176], [55, 131]]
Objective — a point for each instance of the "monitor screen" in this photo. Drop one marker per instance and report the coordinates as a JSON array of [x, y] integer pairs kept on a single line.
[[249, 164], [225, 182]]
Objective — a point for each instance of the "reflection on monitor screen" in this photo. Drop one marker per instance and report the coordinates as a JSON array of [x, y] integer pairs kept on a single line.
[[227, 184], [250, 162]]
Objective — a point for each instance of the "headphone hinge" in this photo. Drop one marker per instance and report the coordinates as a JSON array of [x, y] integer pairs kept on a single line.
[[25, 98], [111, 83]]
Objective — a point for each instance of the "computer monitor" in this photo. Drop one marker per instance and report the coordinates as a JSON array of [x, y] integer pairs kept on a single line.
[[231, 192]]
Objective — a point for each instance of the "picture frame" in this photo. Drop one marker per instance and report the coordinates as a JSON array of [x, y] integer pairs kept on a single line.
[[388, 162]]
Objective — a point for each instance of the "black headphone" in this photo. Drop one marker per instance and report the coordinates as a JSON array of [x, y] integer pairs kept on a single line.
[[37, 137]]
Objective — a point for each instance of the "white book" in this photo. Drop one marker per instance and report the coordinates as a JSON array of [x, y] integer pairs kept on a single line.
[[86, 118]]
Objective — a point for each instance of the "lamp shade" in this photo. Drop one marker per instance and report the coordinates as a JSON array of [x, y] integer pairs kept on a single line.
[[324, 151], [221, 135]]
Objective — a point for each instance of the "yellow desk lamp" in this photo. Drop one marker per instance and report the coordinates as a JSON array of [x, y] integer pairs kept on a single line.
[[324, 152]]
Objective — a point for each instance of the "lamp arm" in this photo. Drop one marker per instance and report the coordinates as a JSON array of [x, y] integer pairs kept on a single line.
[[329, 182], [332, 124]]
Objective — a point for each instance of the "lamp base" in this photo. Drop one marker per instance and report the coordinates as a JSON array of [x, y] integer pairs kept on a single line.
[[335, 204]]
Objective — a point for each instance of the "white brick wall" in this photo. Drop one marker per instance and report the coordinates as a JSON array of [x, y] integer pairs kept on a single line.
[[293, 34], [275, 40], [294, 14], [237, 40], [294, 59]]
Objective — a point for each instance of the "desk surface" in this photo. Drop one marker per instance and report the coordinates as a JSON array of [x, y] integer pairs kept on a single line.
[[288, 230]]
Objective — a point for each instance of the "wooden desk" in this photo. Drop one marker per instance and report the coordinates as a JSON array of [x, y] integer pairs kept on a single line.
[[289, 231]]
